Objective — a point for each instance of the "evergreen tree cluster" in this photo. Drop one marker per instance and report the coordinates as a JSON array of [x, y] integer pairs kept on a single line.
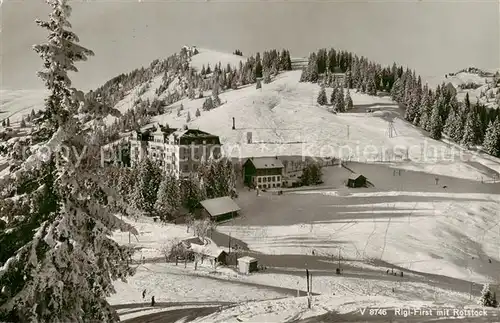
[[340, 102], [156, 193], [311, 174], [488, 298], [436, 111]]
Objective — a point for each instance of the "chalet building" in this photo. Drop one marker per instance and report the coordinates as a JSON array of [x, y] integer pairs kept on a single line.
[[220, 208], [263, 172], [211, 253], [356, 180], [177, 151]]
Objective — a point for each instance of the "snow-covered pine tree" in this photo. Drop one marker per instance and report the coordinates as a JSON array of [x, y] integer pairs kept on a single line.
[[216, 101], [491, 142], [146, 189], [208, 104], [470, 132], [340, 103], [225, 178], [174, 193], [333, 96], [425, 109], [188, 117], [451, 124], [322, 99], [22, 124], [348, 101], [397, 92], [198, 113], [7, 123], [435, 122], [486, 298], [63, 261], [190, 192], [162, 205]]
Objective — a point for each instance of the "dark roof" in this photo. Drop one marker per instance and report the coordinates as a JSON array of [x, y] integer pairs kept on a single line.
[[193, 240], [266, 162], [355, 176], [220, 205], [193, 133]]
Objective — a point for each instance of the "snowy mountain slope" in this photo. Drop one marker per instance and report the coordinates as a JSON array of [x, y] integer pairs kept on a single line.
[[210, 57], [204, 57], [16, 104], [487, 92], [284, 119]]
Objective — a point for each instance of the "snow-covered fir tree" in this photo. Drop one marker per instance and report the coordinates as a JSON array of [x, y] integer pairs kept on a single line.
[[425, 109], [197, 113], [333, 96], [188, 117], [59, 260], [348, 101], [491, 142], [470, 132], [339, 100], [452, 125], [163, 208], [435, 122], [148, 183], [487, 298], [322, 99], [208, 104]]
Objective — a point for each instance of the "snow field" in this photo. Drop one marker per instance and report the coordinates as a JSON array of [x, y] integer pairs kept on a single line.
[[438, 237], [170, 283]]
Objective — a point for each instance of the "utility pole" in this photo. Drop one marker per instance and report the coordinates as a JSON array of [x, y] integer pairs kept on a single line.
[[339, 258]]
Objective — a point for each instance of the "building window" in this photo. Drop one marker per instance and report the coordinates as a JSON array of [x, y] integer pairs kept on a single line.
[[185, 168], [259, 179], [264, 179], [265, 185], [274, 185], [278, 185], [278, 178], [274, 178], [269, 178], [259, 186]]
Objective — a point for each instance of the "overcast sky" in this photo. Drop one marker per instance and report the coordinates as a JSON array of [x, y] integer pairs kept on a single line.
[[430, 36]]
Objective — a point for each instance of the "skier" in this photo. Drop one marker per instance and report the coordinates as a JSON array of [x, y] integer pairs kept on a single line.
[[152, 301], [143, 294]]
